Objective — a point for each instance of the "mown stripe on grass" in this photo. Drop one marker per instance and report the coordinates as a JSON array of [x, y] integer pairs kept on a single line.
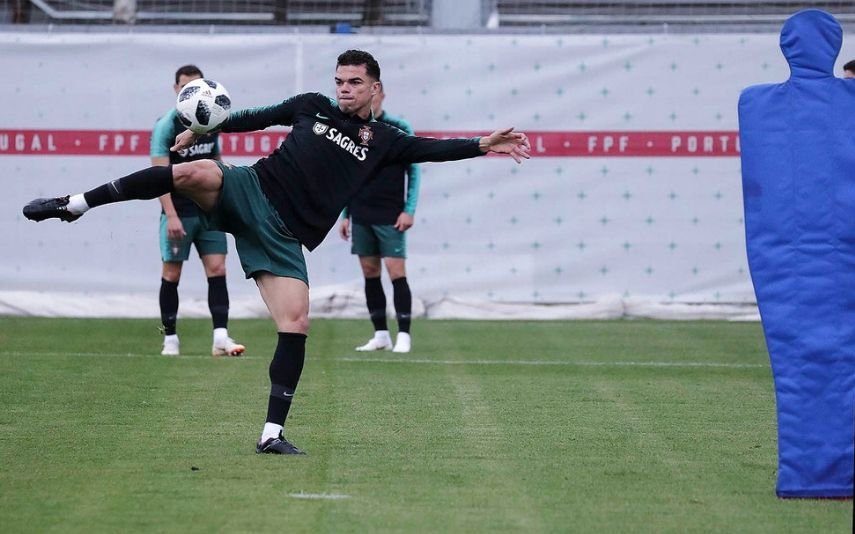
[[489, 441]]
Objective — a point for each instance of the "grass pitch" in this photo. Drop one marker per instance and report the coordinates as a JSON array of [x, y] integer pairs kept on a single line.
[[485, 427]]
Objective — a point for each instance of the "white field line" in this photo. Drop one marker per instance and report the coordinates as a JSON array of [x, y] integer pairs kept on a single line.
[[415, 361], [21, 354], [575, 363], [320, 496]]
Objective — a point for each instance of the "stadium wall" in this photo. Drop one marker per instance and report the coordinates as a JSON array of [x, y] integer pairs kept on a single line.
[[631, 206]]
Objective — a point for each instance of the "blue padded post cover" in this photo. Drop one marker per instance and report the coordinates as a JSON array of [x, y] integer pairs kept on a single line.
[[798, 177]]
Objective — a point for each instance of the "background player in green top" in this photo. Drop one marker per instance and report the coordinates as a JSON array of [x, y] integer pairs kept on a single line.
[[180, 227], [376, 220], [289, 199]]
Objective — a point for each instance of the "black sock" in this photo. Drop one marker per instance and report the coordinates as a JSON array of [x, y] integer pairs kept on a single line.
[[285, 370], [142, 185], [403, 303], [168, 306], [376, 300], [218, 301]]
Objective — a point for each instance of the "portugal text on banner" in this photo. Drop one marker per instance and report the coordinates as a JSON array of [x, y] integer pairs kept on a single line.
[[571, 144]]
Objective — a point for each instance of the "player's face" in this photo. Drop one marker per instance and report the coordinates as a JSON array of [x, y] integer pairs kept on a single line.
[[848, 74], [184, 80], [354, 89]]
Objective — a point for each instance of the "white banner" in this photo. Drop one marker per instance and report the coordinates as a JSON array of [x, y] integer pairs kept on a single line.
[[633, 194]]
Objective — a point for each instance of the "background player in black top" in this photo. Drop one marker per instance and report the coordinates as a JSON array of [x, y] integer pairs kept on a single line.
[[180, 227], [381, 214], [294, 196]]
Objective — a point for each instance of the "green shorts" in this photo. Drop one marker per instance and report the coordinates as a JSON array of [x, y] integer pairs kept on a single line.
[[382, 240], [263, 242], [207, 241]]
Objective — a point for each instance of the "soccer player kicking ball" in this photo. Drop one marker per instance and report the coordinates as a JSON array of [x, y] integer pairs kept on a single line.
[[291, 198]]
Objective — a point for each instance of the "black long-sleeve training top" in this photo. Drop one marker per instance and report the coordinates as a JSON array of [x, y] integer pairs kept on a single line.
[[329, 156]]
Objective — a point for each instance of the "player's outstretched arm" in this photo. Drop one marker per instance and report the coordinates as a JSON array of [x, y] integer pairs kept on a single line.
[[507, 141], [409, 149]]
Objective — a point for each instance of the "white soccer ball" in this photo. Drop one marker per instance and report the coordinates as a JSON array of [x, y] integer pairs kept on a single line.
[[203, 105]]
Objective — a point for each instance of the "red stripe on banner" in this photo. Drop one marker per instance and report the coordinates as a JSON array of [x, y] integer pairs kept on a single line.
[[700, 143], [27, 142]]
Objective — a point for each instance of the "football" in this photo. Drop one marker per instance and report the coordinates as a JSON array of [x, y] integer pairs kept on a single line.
[[203, 105]]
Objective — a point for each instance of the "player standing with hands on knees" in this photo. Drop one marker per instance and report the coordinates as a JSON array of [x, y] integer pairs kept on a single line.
[[290, 199], [376, 220]]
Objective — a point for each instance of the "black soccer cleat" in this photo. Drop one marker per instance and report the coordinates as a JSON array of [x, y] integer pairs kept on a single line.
[[278, 445], [41, 209]]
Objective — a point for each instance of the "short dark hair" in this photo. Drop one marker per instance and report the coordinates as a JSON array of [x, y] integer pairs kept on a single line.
[[850, 66], [360, 57], [188, 70]]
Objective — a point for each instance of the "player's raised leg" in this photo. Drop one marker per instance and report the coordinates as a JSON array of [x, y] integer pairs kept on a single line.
[[200, 180], [287, 300]]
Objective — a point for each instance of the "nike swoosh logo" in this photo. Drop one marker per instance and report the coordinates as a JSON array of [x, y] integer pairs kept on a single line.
[[318, 115]]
